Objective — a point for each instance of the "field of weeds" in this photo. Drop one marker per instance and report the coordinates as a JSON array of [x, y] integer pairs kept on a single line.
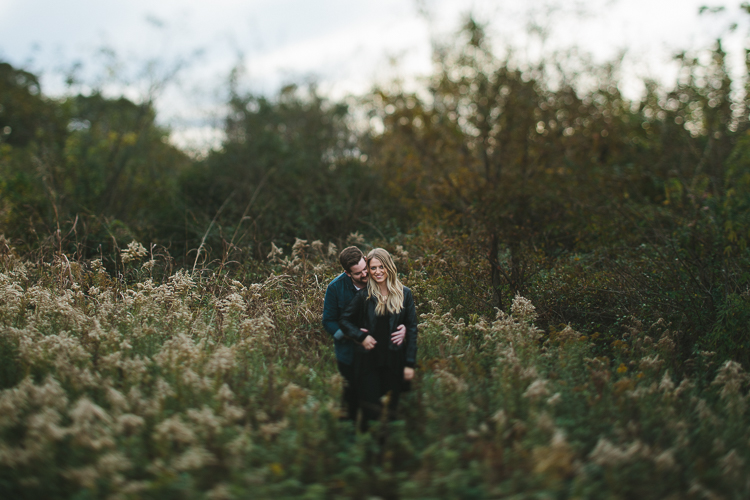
[[146, 383]]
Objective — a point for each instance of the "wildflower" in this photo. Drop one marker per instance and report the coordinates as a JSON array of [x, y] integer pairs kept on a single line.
[[731, 378], [274, 253], [272, 429], [355, 239], [135, 251], [128, 423], [650, 363], [697, 490], [555, 459], [732, 465], [85, 477], [666, 384], [50, 394], [97, 266], [298, 249], [45, 426], [195, 458], [219, 492], [332, 250], [91, 425], [451, 382], [536, 390], [400, 254], [173, 429], [181, 282], [206, 420], [222, 361], [607, 454], [319, 269], [665, 344], [554, 399], [522, 309], [665, 460], [232, 304], [195, 381], [134, 488], [684, 386], [293, 396], [225, 394], [113, 462], [705, 414], [317, 245], [241, 444], [236, 286], [256, 329], [545, 423], [277, 468], [500, 418], [163, 390]]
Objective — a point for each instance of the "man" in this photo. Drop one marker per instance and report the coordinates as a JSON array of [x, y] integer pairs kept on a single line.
[[338, 295]]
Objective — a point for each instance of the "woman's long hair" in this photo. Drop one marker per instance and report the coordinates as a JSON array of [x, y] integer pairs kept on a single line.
[[395, 300]]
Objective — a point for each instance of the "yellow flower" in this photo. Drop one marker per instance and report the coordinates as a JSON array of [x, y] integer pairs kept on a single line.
[[277, 468]]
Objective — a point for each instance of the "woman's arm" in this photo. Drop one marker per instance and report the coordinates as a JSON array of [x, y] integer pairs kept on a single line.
[[352, 319]]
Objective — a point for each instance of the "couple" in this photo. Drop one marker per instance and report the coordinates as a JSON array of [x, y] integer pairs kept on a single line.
[[373, 321]]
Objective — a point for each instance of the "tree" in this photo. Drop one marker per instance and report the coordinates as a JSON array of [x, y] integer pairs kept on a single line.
[[289, 167]]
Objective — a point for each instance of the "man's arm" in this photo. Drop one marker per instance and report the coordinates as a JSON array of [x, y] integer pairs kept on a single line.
[[410, 321], [330, 313]]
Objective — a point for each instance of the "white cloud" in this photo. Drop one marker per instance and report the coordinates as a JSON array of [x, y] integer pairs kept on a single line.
[[343, 44]]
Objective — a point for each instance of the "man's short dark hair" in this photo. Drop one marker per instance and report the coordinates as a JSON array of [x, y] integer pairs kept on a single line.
[[349, 257]]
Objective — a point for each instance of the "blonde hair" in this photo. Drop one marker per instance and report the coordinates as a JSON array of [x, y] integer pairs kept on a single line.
[[395, 300]]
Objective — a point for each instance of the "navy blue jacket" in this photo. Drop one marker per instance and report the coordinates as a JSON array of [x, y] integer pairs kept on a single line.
[[338, 295], [361, 314]]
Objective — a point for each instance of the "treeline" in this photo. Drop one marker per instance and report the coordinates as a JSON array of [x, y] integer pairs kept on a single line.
[[511, 178]]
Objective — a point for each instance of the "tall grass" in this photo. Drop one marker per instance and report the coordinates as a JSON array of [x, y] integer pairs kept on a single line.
[[203, 385]]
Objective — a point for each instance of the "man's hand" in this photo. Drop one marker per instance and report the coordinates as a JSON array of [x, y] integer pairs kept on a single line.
[[369, 342], [408, 373], [397, 337]]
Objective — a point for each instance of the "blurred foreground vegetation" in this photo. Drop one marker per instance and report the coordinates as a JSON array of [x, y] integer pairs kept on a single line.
[[199, 386], [197, 363]]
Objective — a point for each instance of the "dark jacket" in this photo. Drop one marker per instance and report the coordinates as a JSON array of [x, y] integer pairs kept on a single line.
[[338, 295], [361, 313]]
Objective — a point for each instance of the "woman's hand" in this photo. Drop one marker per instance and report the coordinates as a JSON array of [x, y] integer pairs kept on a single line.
[[369, 342], [408, 373]]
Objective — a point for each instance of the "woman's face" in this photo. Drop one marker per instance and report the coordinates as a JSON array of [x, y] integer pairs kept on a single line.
[[377, 271]]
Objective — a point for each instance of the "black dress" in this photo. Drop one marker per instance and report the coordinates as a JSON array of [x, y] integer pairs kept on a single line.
[[380, 371]]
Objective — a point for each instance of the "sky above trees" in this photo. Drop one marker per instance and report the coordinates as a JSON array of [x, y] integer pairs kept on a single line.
[[182, 51]]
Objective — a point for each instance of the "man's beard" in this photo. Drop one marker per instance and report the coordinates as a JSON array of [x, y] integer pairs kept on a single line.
[[360, 284]]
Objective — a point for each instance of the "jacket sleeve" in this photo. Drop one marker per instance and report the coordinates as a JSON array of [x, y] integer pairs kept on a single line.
[[410, 322], [353, 317], [330, 312]]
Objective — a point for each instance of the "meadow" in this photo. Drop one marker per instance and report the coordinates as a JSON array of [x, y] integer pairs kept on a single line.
[[580, 262], [146, 381]]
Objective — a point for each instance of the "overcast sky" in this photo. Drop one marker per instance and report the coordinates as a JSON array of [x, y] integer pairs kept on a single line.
[[344, 45]]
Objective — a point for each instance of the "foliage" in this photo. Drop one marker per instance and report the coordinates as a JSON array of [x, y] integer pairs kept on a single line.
[[73, 167], [196, 366], [198, 385], [288, 167]]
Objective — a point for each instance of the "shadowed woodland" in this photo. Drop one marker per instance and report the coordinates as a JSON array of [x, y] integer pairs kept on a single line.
[[579, 260]]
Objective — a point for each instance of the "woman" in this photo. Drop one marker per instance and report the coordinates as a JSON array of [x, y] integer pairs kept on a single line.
[[381, 367]]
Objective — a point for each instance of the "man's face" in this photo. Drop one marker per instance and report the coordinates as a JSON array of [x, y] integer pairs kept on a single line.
[[358, 274]]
